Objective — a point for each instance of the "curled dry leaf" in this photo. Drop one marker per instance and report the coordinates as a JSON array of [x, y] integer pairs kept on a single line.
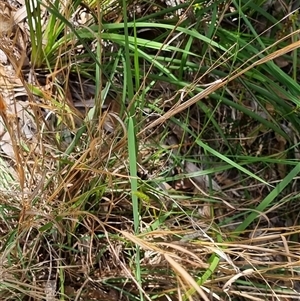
[[229, 283], [20, 15]]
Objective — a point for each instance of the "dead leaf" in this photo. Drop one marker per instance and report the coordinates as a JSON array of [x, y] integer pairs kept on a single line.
[[203, 181], [281, 62], [50, 290], [6, 146], [20, 15], [6, 20]]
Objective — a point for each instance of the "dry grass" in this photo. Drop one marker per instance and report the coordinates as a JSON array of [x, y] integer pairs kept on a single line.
[[214, 213]]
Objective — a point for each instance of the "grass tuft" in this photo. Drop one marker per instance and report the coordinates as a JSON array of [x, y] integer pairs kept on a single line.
[[149, 151]]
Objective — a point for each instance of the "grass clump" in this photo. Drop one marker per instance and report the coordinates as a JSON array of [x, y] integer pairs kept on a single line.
[[149, 151]]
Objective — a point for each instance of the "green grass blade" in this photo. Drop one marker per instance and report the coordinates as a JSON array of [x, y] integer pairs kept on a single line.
[[269, 199]]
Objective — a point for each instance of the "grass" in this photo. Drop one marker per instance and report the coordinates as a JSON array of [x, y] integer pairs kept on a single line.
[[155, 156]]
